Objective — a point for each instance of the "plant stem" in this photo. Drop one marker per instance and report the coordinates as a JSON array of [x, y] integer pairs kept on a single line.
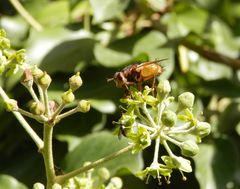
[[145, 110], [58, 110], [38, 141], [42, 118], [66, 114], [46, 104], [48, 155], [28, 17], [62, 178], [156, 150], [32, 92]]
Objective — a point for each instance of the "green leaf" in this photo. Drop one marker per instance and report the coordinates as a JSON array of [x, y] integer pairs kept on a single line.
[[8, 182], [110, 57], [223, 39], [209, 70], [104, 106], [55, 13], [98, 145], [59, 49], [216, 164], [16, 29], [184, 20], [148, 42], [108, 9]]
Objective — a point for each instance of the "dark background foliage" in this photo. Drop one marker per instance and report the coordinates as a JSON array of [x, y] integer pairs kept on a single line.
[[199, 38]]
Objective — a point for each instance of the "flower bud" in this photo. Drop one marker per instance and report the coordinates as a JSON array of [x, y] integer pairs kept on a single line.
[[75, 82], [163, 87], [37, 73], [189, 148], [38, 185], [44, 80], [56, 186], [37, 108], [27, 78], [68, 97], [169, 118], [185, 100], [4, 43], [20, 56], [202, 129], [11, 105], [83, 106], [116, 182], [103, 173]]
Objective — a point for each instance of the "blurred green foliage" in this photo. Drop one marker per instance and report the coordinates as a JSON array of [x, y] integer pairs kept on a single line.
[[199, 38]]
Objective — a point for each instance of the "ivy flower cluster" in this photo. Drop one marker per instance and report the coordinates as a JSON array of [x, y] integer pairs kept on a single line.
[[155, 116]]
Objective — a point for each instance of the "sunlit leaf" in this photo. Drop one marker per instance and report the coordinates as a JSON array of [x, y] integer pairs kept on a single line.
[[98, 145], [10, 182]]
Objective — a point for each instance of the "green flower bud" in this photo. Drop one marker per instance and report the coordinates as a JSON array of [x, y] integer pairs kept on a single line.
[[37, 108], [44, 80], [163, 87], [37, 73], [169, 118], [202, 129], [20, 56], [75, 82], [38, 185], [103, 173], [83, 106], [4, 43], [56, 186], [11, 105], [185, 100], [116, 182], [189, 148], [68, 97]]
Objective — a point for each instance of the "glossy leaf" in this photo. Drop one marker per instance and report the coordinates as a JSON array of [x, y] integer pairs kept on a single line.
[[98, 145], [7, 181], [211, 172], [108, 9]]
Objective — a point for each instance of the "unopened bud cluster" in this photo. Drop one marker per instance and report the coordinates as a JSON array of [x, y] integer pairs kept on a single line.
[[156, 116], [40, 107]]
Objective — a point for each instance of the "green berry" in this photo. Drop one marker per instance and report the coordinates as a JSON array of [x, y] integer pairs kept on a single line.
[[37, 108], [169, 118], [185, 100], [83, 106], [103, 173], [202, 129], [116, 182], [44, 80], [68, 97], [38, 185], [75, 82], [163, 87], [189, 148]]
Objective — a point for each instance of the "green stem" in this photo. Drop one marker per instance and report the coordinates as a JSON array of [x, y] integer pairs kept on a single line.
[[145, 110], [62, 178], [48, 155], [40, 118], [46, 103], [156, 150], [28, 17], [32, 92], [66, 114], [38, 141], [169, 151], [171, 139], [58, 110]]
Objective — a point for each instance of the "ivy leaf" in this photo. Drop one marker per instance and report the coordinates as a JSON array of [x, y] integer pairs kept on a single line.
[[98, 145], [7, 181]]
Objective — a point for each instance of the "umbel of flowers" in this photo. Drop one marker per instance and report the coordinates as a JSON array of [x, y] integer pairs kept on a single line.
[[156, 117]]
